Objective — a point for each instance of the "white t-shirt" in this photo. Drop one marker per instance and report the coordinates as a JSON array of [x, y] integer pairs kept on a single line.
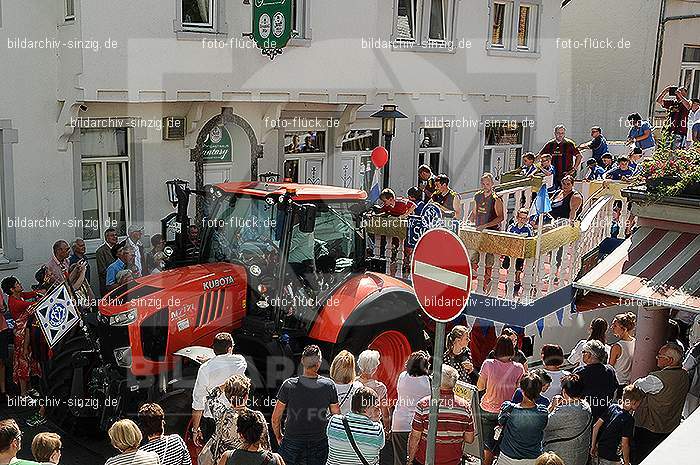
[[345, 393], [409, 390], [555, 387], [214, 373]]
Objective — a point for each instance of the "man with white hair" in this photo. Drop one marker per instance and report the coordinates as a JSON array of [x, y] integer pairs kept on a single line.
[[660, 411], [455, 424], [599, 380]]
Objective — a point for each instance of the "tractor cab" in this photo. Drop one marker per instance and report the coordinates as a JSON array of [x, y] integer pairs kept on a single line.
[[297, 243]]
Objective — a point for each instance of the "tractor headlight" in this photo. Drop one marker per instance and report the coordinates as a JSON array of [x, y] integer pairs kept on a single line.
[[123, 318], [123, 357]]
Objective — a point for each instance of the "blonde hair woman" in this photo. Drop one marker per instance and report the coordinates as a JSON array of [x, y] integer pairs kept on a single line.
[[622, 352], [126, 438], [344, 376]]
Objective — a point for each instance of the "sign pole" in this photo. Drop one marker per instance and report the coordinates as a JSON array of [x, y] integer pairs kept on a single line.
[[439, 348]]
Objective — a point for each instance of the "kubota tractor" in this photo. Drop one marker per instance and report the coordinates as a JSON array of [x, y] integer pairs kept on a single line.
[[278, 266]]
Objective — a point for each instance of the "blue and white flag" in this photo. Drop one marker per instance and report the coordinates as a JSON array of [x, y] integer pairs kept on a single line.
[[542, 204], [57, 314], [375, 188]]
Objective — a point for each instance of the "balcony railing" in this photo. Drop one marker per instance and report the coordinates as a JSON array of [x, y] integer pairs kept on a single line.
[[564, 247]]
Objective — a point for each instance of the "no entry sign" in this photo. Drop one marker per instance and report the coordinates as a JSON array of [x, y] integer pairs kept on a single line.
[[441, 274]]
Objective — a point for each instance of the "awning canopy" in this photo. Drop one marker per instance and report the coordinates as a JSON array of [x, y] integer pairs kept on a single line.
[[653, 267]]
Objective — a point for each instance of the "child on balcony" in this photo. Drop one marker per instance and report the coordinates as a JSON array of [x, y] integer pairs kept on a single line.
[[595, 172], [521, 228]]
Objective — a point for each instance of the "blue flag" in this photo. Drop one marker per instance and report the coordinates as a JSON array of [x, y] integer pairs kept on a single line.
[[375, 188], [542, 204]]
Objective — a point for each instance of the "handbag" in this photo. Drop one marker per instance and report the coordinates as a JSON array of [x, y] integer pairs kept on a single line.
[[206, 455], [353, 443]]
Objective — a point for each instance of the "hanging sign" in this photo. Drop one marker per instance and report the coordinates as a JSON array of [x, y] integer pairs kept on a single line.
[[272, 25]]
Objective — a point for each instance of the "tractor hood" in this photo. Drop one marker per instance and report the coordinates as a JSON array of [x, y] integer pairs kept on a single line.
[[169, 287]]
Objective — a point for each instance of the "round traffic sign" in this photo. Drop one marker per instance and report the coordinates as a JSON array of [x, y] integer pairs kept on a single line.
[[441, 274]]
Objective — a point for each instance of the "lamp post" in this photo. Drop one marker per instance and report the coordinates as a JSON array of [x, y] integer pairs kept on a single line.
[[388, 114]]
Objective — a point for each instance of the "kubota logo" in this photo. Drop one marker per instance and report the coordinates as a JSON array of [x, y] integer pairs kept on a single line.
[[218, 282]]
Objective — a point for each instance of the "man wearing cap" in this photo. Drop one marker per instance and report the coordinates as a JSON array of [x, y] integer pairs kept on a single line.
[[134, 241]]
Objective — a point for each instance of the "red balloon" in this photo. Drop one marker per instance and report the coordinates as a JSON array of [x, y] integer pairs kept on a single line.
[[380, 157]]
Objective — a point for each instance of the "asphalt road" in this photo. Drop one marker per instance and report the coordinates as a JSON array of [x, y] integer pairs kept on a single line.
[[77, 449]]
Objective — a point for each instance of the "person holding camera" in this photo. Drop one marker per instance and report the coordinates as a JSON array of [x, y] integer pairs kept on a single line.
[[678, 107]]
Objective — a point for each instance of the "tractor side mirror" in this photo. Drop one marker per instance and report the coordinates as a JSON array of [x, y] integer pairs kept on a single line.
[[307, 218]]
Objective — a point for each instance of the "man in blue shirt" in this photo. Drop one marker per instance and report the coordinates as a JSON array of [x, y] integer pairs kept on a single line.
[[622, 172], [595, 172], [125, 258], [640, 134], [597, 144], [636, 161]]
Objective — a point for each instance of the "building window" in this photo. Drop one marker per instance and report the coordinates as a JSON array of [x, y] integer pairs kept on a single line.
[[70, 9], [503, 146], [305, 156], [300, 19], [513, 25], [690, 71], [354, 169], [423, 22], [198, 15], [104, 180], [430, 148]]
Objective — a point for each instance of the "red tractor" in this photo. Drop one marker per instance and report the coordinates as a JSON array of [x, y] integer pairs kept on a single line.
[[279, 266]]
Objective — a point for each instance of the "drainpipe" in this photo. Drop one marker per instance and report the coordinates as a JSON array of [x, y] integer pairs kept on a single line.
[[659, 51]]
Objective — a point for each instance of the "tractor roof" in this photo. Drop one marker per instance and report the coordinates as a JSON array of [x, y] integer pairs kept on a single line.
[[303, 191]]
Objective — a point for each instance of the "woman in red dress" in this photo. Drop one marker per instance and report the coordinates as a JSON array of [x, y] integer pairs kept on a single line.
[[22, 311]]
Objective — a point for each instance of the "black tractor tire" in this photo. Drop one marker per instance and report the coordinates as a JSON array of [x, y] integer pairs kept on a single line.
[[57, 381]]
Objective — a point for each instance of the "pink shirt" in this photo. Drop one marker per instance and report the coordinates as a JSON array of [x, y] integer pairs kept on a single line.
[[502, 380]]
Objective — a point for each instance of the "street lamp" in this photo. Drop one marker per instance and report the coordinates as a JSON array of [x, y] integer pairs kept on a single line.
[[172, 189], [388, 114]]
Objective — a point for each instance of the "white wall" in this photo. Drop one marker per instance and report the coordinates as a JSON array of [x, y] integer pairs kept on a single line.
[[600, 86]]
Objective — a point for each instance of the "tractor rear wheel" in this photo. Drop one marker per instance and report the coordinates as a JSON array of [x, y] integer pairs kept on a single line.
[[395, 340]]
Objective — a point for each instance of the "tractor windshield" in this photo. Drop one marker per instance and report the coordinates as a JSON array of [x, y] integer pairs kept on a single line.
[[239, 228]]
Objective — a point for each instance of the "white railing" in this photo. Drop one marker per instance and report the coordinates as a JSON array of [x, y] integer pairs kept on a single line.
[[540, 275]]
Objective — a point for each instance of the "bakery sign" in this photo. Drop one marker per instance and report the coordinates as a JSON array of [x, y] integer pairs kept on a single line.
[[217, 146], [272, 25]]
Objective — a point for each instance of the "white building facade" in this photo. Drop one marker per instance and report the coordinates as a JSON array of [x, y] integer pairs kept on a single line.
[[88, 83], [617, 56]]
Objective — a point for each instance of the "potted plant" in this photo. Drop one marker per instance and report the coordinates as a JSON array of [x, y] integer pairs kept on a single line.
[[672, 172]]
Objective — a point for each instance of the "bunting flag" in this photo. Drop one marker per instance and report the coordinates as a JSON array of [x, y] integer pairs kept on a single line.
[[375, 188], [485, 326], [469, 320], [560, 316], [498, 327], [57, 314], [540, 326]]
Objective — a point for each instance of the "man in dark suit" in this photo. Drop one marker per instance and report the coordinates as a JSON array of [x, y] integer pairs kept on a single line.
[[104, 257]]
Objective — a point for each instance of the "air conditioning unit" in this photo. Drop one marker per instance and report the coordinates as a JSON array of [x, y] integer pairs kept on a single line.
[[174, 128]]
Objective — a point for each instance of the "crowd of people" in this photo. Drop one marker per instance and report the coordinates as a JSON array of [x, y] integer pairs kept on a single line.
[[117, 264], [575, 410]]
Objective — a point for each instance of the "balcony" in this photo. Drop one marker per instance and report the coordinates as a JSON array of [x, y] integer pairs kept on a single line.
[[578, 242]]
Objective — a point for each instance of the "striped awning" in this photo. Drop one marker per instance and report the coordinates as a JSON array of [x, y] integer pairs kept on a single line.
[[653, 267]]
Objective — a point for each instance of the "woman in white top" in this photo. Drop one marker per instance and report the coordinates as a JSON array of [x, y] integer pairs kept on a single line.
[[597, 331], [412, 386], [622, 352], [344, 377], [553, 359], [126, 437]]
